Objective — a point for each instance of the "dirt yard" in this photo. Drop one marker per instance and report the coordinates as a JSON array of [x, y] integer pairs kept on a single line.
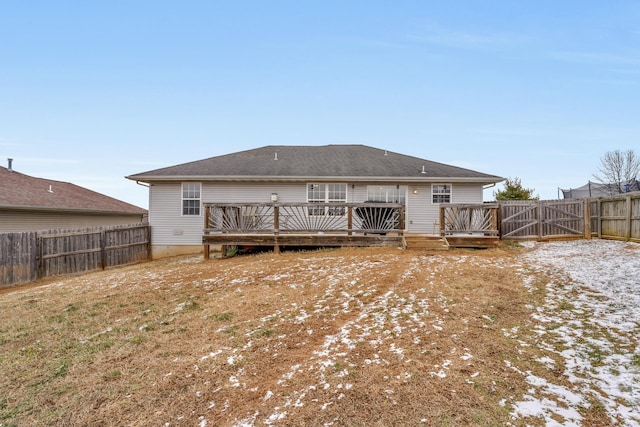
[[375, 337]]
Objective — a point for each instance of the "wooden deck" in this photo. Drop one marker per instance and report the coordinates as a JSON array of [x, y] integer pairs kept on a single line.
[[341, 224], [303, 224]]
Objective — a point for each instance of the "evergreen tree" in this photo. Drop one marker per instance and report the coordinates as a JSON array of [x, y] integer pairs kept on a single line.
[[513, 190]]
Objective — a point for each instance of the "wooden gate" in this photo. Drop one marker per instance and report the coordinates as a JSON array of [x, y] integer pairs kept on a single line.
[[543, 219]]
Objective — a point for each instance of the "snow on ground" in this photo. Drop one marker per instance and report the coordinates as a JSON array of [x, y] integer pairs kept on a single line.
[[591, 317]]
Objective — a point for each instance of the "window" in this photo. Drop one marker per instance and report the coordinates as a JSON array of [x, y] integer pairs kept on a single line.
[[441, 193], [191, 198], [327, 193], [386, 193]]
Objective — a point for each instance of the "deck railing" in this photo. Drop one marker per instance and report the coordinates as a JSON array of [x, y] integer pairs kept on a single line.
[[469, 219], [279, 218]]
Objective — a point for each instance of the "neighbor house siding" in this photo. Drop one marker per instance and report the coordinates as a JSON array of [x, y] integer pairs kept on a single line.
[[13, 221]]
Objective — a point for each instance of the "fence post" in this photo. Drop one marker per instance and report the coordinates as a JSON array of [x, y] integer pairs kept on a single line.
[[540, 214], [628, 218], [599, 216], [587, 218], [103, 249], [38, 255]]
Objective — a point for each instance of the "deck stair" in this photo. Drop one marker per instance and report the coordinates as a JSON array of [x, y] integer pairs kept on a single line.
[[425, 242]]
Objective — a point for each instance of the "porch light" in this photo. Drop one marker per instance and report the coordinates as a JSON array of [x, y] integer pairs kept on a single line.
[[274, 197], [415, 191]]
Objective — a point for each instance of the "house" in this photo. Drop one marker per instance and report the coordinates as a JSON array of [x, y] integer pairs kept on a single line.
[[31, 204], [338, 174]]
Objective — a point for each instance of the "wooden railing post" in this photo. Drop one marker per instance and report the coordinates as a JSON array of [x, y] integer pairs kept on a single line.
[[207, 215], [349, 220], [442, 208], [401, 220], [276, 228], [494, 220]]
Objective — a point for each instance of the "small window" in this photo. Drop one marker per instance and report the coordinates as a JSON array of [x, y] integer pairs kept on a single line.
[[441, 193], [191, 198]]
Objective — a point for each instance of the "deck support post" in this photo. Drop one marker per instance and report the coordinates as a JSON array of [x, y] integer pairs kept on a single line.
[[276, 228]]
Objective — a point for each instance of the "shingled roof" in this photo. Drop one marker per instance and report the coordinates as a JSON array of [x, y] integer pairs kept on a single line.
[[284, 162], [20, 191]]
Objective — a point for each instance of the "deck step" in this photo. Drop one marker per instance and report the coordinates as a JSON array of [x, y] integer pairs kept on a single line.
[[425, 243]]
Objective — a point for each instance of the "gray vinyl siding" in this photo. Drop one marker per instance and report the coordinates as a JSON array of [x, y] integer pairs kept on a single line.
[[423, 216], [14, 221], [170, 227]]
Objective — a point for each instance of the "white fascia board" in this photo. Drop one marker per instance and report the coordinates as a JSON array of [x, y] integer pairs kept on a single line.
[[235, 178]]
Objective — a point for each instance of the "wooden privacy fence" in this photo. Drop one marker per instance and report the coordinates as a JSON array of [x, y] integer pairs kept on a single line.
[[616, 217], [26, 257]]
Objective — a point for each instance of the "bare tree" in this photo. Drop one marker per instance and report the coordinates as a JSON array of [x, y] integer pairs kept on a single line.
[[618, 168]]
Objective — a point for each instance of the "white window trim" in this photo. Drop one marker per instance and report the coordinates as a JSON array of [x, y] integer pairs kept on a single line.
[[326, 197], [182, 199], [434, 194], [326, 191]]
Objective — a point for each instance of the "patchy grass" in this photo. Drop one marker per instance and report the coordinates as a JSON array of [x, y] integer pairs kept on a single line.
[[371, 337]]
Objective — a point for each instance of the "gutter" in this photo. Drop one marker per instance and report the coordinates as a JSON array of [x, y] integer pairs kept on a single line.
[[492, 180]]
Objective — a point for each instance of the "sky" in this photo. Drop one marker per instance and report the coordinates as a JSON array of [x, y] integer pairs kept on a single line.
[[91, 92]]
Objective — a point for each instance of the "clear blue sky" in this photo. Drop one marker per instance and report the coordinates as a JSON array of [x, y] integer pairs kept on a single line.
[[92, 91]]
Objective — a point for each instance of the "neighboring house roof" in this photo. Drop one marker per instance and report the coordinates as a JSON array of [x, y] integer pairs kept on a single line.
[[24, 192], [284, 162]]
